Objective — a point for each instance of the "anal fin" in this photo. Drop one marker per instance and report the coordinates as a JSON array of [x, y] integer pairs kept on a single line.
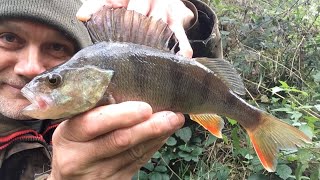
[[212, 122]]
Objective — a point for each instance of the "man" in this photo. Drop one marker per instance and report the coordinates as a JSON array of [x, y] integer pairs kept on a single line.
[[108, 142]]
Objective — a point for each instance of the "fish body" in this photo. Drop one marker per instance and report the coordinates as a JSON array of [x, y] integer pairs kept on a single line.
[[114, 72]]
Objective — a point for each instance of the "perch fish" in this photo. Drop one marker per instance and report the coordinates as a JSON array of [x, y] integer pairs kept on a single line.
[[130, 61]]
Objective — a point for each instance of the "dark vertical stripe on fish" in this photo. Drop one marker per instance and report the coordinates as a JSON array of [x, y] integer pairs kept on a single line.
[[205, 89], [138, 73], [176, 75]]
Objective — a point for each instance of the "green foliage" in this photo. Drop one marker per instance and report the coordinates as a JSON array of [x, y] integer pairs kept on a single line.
[[275, 45]]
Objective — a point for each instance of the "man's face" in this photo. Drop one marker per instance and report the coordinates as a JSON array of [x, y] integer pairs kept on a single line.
[[27, 49]]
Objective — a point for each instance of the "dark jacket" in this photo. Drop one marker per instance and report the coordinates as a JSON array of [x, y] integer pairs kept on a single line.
[[25, 147]]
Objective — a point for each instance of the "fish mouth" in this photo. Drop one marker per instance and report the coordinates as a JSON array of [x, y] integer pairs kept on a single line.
[[38, 102]]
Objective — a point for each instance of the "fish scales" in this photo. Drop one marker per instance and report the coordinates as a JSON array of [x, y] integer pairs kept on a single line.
[[144, 74]]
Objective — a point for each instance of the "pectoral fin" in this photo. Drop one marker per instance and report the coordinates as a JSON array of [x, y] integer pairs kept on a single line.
[[212, 122]]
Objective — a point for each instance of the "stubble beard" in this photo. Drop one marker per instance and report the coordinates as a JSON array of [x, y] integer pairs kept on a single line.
[[12, 108]]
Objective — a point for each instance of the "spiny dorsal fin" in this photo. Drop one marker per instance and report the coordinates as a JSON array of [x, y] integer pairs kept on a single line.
[[212, 122], [121, 25], [225, 71]]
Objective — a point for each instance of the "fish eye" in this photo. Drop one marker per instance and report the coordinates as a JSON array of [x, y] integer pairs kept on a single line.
[[54, 79]]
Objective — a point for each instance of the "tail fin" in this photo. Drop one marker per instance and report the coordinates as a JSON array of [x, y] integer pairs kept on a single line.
[[271, 136]]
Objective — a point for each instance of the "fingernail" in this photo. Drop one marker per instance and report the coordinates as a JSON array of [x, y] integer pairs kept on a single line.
[[174, 120], [143, 106]]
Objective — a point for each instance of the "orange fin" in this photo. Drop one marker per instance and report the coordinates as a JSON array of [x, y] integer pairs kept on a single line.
[[273, 135], [212, 122]]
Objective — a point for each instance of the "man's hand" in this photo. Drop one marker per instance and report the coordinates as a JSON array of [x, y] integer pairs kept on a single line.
[[173, 12], [110, 142]]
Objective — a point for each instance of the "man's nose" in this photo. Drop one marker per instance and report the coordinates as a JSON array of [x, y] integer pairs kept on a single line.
[[29, 63]]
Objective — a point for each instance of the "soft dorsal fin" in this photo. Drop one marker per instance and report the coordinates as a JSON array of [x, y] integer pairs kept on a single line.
[[225, 71], [121, 25]]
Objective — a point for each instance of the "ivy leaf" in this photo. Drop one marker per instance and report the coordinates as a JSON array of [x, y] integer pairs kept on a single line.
[[184, 134], [140, 175], [160, 169], [283, 171], [257, 177], [171, 141], [185, 148], [156, 155], [307, 130], [210, 140], [197, 151], [149, 166], [155, 176]]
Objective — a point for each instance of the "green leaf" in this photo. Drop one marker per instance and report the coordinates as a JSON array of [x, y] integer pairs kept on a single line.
[[185, 148], [316, 77], [155, 176], [149, 166], [211, 139], [160, 169], [156, 155], [165, 177], [284, 85], [197, 151], [184, 134], [248, 156], [276, 89], [316, 173], [283, 171], [307, 130], [285, 109], [184, 155], [257, 177], [225, 33], [296, 115], [171, 141], [299, 170], [232, 121], [235, 138], [140, 175]]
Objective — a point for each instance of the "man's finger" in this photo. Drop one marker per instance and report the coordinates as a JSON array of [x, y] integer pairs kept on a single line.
[[104, 119], [184, 45], [136, 156], [88, 8], [140, 6], [160, 124]]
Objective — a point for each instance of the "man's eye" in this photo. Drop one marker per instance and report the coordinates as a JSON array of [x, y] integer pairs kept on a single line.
[[10, 41], [8, 37], [58, 47], [58, 50]]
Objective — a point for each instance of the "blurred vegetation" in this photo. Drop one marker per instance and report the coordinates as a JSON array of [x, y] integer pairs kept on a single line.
[[275, 46]]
